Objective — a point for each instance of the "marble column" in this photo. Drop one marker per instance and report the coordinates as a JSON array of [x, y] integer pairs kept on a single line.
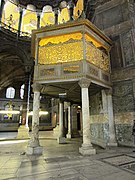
[[61, 138], [33, 145], [1, 8], [112, 134], [87, 148], [69, 122], [20, 20]]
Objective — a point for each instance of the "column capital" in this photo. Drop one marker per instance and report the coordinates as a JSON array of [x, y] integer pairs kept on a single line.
[[36, 87], [84, 83]]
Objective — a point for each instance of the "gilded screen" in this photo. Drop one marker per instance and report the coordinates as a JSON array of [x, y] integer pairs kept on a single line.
[[97, 57], [61, 53]]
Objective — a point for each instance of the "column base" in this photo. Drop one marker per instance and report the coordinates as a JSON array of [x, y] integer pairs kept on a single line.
[[87, 150], [68, 136], [23, 132], [34, 150], [61, 140]]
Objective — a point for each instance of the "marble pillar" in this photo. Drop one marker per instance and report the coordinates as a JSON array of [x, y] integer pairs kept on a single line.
[[69, 122], [61, 138], [33, 145], [112, 134], [87, 148]]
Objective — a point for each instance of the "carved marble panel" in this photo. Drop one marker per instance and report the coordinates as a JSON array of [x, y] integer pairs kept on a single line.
[[123, 100], [127, 48]]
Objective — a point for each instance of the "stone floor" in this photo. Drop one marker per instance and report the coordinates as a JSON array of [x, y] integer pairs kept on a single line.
[[63, 162]]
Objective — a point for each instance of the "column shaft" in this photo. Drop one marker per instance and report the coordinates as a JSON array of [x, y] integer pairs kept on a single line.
[[33, 145], [69, 122], [86, 117], [61, 138], [61, 124], [112, 135], [87, 148]]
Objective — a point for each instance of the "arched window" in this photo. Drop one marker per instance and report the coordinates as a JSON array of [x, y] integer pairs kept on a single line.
[[22, 91], [10, 93]]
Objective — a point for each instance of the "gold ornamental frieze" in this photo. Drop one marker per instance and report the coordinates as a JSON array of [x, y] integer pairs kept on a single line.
[[97, 57], [62, 53]]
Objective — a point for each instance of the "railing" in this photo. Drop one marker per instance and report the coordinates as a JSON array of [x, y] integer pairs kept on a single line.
[[14, 32], [72, 70]]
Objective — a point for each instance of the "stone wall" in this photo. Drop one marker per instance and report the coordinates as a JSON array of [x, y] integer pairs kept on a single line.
[[98, 120], [116, 19]]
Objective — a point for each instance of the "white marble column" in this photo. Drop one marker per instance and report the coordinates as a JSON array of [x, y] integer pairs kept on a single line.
[[69, 122], [33, 145], [112, 134], [61, 138], [87, 148]]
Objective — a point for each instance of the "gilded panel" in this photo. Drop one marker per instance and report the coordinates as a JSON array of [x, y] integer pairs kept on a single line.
[[66, 52], [71, 69], [47, 72], [97, 57]]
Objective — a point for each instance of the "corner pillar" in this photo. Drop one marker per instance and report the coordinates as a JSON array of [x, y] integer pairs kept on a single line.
[[87, 148], [112, 134], [33, 145]]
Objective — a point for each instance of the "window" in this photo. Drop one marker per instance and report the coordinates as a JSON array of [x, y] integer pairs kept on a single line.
[[10, 93], [22, 91]]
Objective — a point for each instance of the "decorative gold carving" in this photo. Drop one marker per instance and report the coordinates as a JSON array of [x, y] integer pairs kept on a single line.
[[60, 39], [47, 72], [71, 69], [62, 53], [97, 57], [89, 39]]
